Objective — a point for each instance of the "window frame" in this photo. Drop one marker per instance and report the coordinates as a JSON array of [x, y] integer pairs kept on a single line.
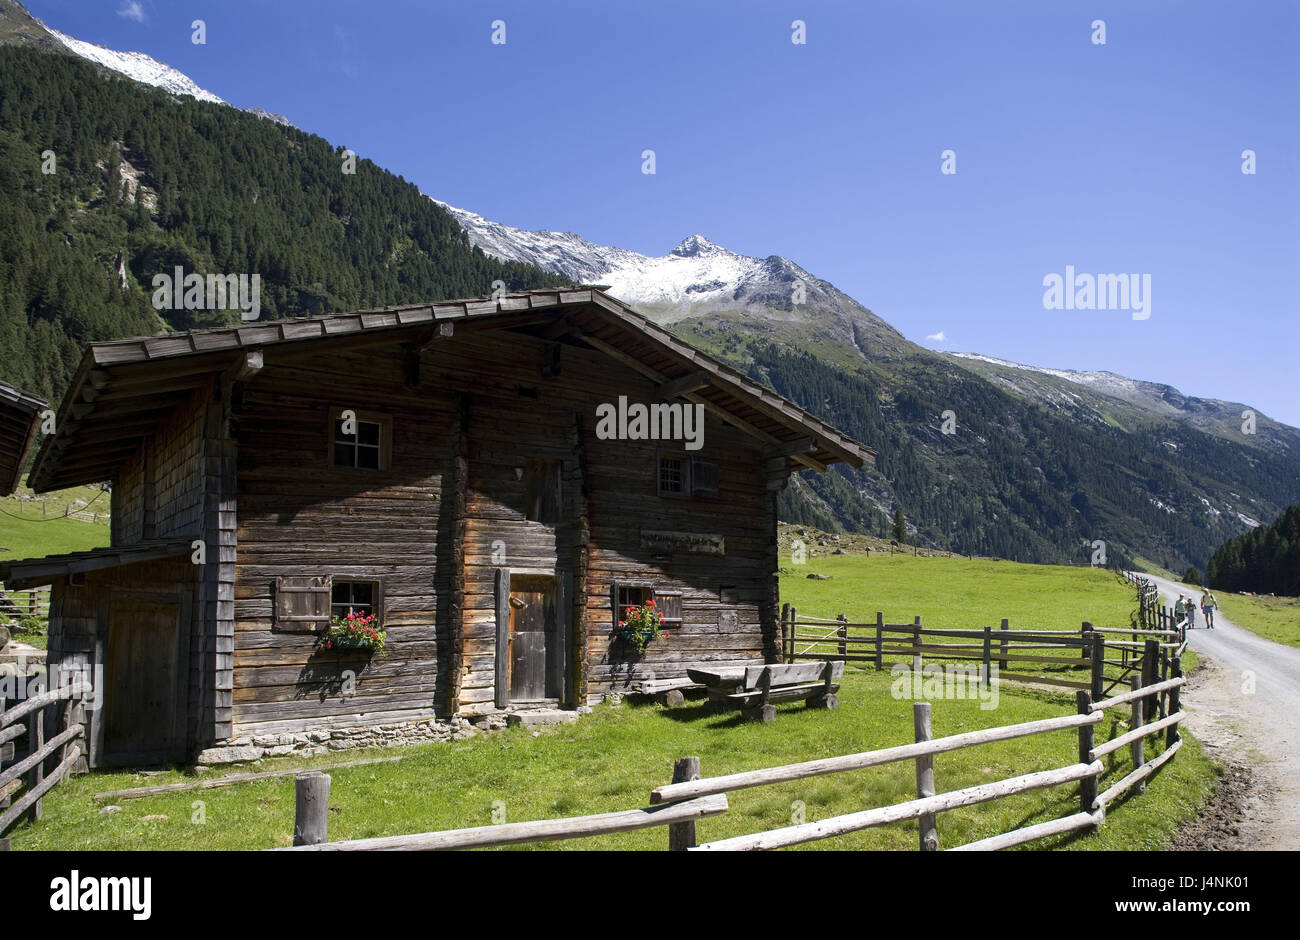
[[376, 596], [617, 605], [690, 488], [385, 448]]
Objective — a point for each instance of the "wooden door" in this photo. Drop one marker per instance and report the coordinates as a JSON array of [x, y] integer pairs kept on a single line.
[[142, 678], [533, 653]]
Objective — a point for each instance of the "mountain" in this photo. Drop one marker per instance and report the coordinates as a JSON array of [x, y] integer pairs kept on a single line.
[[17, 25], [1114, 399], [1039, 465], [1042, 462], [699, 281]]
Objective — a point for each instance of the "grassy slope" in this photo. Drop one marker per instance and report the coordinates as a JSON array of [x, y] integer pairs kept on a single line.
[[26, 532], [1277, 618], [612, 758]]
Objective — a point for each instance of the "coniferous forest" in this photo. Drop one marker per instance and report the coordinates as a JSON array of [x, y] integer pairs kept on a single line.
[[144, 182], [1265, 560]]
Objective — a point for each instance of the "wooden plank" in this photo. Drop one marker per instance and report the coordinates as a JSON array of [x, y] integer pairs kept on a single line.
[[1126, 697], [32, 798], [912, 809], [1137, 734], [1030, 833], [544, 830], [829, 765], [927, 829], [1141, 773]]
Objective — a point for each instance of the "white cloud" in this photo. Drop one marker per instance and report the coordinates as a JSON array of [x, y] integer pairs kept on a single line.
[[937, 337], [132, 10]]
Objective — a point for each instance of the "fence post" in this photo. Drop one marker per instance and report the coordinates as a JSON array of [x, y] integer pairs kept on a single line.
[[1150, 674], [916, 643], [844, 635], [988, 650], [1172, 733], [787, 645], [929, 833], [1083, 633], [311, 813], [880, 640], [1088, 785], [1002, 663], [794, 628], [35, 742], [1136, 748], [681, 836], [1098, 654]]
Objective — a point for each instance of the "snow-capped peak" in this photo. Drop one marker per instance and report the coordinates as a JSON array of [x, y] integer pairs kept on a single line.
[[694, 245], [138, 66]]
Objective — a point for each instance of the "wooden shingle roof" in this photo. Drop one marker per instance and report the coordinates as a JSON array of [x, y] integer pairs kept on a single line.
[[124, 387]]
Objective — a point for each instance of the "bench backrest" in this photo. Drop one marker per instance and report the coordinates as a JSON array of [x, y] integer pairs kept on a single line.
[[793, 673]]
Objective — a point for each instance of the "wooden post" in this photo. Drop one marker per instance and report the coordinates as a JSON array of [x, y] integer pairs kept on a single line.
[[1098, 653], [794, 628], [1151, 674], [929, 833], [787, 644], [843, 635], [1002, 663], [311, 814], [916, 643], [1172, 734], [35, 741], [1083, 632], [1088, 785], [880, 640], [681, 836], [1136, 749], [988, 649]]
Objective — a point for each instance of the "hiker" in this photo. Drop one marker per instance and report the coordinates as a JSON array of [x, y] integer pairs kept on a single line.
[[1180, 609], [1208, 603]]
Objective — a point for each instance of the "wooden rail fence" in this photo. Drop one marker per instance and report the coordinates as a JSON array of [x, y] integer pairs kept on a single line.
[[14, 605], [688, 798], [57, 712]]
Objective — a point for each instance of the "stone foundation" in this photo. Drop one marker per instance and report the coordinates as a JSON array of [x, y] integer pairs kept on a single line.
[[325, 741]]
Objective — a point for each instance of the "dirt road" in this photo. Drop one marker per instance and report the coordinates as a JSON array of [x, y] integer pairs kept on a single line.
[[1244, 705]]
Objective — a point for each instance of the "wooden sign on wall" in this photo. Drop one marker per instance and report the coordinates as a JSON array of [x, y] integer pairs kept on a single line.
[[693, 543]]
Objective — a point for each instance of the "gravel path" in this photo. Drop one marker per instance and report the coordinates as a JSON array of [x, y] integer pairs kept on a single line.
[[1244, 705]]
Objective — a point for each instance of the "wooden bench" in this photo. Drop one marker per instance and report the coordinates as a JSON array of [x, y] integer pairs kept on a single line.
[[668, 692], [756, 689]]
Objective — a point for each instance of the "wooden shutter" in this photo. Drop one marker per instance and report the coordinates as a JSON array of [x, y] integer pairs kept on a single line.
[[302, 604], [704, 477], [670, 607]]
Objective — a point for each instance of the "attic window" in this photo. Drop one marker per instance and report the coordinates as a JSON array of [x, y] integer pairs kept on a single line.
[[359, 442], [682, 475]]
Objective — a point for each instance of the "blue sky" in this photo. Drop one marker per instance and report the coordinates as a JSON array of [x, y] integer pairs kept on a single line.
[[1115, 158]]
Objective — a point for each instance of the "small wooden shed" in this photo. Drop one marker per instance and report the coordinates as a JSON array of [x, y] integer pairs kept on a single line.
[[496, 479]]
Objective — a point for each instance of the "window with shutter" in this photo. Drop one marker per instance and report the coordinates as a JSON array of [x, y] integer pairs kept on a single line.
[[302, 604]]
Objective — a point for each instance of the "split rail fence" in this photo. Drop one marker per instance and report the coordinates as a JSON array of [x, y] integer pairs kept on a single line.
[[1092, 659], [57, 713], [1154, 710], [14, 605]]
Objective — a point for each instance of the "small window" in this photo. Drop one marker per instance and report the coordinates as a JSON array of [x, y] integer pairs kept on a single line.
[[672, 476], [668, 603], [680, 475], [365, 448], [359, 596]]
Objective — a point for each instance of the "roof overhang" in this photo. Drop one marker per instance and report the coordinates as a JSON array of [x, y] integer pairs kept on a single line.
[[20, 415], [22, 575], [124, 389]]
